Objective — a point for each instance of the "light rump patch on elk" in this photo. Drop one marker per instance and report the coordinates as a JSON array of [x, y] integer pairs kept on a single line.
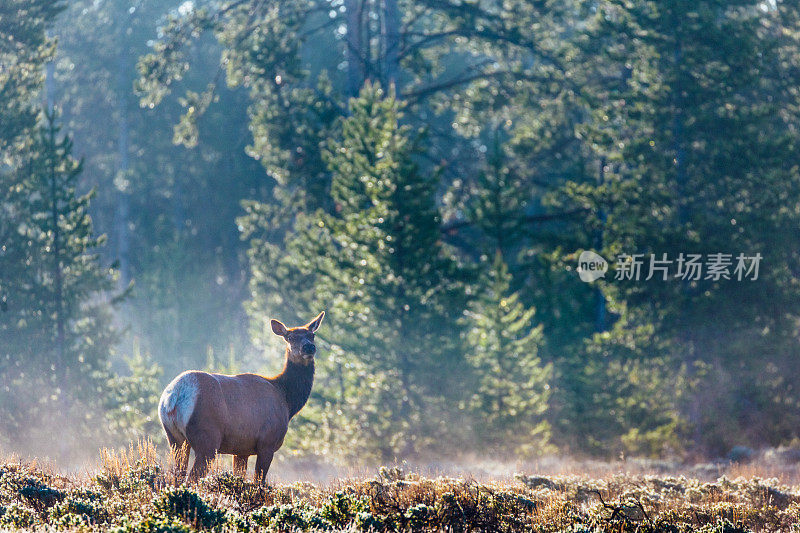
[[242, 415]]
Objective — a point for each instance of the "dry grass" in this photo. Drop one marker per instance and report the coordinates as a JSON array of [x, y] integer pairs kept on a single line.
[[135, 490]]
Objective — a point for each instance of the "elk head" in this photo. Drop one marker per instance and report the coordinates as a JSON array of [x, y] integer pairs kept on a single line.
[[300, 347]]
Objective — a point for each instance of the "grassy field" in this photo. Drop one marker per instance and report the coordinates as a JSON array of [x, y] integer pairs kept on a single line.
[[134, 491]]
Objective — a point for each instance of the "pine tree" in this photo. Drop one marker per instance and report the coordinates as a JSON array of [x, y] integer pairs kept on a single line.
[[132, 402], [509, 402], [57, 330], [379, 267], [24, 51], [499, 201]]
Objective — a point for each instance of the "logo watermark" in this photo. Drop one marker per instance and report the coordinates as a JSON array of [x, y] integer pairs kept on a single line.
[[688, 267], [591, 266]]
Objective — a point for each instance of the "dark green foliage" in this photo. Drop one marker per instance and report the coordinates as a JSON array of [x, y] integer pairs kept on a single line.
[[289, 517], [17, 517], [686, 128], [35, 491], [419, 516], [85, 507], [367, 521], [723, 526], [141, 476], [188, 506], [38, 495], [341, 509], [132, 405], [15, 478], [153, 524], [80, 508]]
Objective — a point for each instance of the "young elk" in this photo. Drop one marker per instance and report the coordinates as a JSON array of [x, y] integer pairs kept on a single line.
[[242, 415]]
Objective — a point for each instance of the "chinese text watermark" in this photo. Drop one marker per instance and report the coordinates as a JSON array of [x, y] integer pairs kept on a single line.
[[687, 267]]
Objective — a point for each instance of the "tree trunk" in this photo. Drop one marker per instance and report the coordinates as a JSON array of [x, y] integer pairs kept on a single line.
[[600, 298], [58, 277], [391, 43], [355, 52], [58, 297], [122, 221], [50, 86]]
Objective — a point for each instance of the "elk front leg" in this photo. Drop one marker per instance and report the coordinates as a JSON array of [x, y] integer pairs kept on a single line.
[[263, 460], [240, 465]]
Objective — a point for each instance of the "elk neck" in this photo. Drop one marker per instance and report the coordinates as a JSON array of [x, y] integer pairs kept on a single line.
[[295, 380]]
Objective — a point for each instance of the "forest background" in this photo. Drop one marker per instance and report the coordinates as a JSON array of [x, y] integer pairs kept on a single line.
[[175, 173]]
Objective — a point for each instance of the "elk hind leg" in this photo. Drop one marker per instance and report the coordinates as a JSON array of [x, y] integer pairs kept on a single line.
[[205, 442], [179, 448], [203, 458]]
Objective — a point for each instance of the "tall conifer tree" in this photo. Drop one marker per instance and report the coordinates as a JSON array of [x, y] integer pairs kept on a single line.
[[377, 263]]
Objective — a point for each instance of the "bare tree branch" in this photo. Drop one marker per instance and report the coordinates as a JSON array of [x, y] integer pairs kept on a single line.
[[462, 80], [455, 225]]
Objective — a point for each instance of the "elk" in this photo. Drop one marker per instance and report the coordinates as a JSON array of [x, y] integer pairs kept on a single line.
[[241, 415]]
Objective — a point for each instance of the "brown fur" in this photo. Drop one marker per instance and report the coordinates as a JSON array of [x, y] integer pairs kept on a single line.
[[245, 414]]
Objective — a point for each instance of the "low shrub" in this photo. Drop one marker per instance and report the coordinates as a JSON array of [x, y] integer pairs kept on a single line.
[[87, 506], [153, 524], [17, 517], [340, 509], [186, 505], [38, 495]]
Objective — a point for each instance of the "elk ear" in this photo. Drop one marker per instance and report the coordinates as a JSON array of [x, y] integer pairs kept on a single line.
[[278, 328], [314, 324]]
